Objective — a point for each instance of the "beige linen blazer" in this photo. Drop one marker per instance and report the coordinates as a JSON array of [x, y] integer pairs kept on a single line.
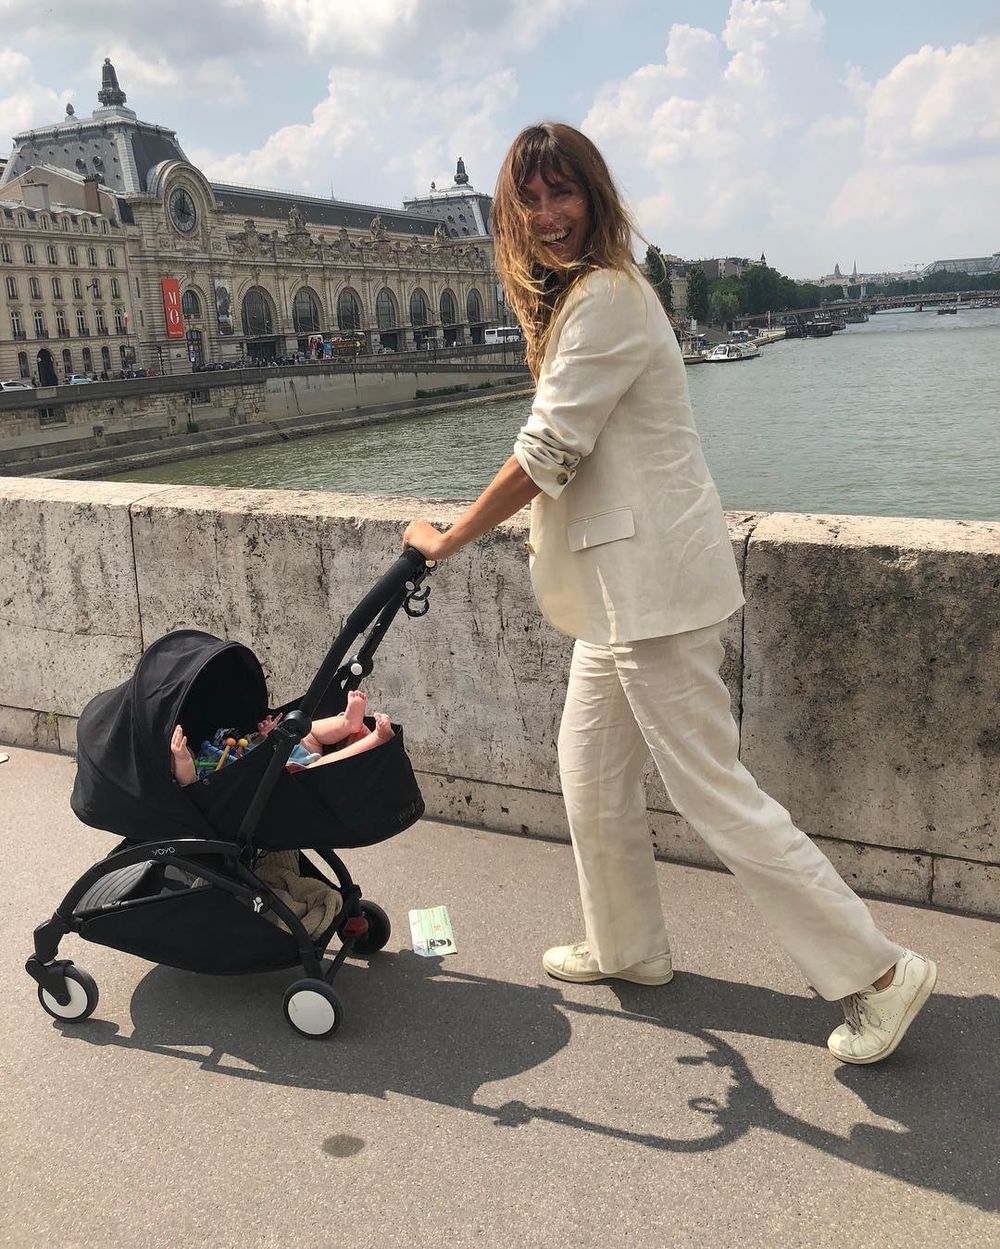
[[628, 539]]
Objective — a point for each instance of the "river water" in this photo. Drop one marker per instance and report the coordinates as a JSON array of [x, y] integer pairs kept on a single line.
[[899, 416]]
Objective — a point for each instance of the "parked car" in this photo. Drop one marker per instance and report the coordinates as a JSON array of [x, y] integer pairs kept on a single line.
[[13, 385], [78, 379]]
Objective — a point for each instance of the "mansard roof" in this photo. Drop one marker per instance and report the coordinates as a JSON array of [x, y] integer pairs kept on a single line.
[[248, 201], [113, 143]]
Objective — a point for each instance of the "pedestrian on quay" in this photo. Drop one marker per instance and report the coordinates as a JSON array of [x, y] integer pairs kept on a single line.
[[630, 555]]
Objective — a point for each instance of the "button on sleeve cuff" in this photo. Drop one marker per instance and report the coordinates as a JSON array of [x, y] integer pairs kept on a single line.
[[548, 466]]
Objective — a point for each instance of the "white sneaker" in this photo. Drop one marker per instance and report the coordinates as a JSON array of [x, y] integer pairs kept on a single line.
[[877, 1019], [577, 964]]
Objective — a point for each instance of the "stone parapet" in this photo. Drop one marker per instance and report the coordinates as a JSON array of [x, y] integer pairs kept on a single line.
[[863, 670]]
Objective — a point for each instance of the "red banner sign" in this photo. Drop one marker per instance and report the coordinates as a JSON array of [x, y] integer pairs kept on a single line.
[[172, 307]]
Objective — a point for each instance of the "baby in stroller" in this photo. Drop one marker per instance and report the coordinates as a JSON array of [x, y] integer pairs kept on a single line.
[[348, 727], [314, 902]]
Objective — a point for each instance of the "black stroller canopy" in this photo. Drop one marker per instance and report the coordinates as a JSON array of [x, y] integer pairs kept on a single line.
[[124, 782]]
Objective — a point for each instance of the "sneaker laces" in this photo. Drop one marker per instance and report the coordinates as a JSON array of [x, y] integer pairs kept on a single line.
[[854, 1012]]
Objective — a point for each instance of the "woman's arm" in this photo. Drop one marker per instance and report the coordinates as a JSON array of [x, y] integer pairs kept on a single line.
[[603, 347], [506, 494]]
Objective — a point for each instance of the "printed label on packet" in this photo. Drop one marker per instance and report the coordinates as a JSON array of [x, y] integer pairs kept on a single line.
[[430, 931]]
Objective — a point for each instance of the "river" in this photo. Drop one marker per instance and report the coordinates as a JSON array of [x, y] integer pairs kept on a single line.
[[899, 416]]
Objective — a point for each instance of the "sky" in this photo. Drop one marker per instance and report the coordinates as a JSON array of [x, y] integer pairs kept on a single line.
[[815, 131]]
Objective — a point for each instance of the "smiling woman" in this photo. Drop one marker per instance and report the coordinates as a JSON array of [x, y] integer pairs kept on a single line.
[[630, 555]]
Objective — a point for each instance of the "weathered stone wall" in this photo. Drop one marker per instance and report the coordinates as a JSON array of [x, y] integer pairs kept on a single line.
[[863, 671]]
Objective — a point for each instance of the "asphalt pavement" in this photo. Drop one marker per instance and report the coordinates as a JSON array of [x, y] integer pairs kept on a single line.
[[470, 1100]]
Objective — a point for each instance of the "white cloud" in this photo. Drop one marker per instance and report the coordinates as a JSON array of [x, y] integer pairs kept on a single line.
[[937, 105], [931, 150], [25, 102], [412, 36], [213, 80], [371, 134], [751, 139]]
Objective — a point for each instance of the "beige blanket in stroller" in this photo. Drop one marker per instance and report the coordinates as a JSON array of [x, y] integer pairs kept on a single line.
[[313, 902]]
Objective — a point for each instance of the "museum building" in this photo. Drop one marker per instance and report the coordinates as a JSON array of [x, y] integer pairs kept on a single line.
[[116, 252]]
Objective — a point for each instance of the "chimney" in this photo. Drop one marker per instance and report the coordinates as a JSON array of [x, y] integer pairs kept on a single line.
[[91, 194], [35, 194]]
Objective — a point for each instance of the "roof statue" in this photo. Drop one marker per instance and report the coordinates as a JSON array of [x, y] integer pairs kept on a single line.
[[377, 228], [836, 271], [461, 177], [295, 222], [110, 93], [70, 110]]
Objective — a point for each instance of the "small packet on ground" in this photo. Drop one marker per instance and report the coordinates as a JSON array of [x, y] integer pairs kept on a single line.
[[430, 931]]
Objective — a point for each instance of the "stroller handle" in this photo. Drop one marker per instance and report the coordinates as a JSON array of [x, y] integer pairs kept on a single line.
[[389, 591], [410, 566]]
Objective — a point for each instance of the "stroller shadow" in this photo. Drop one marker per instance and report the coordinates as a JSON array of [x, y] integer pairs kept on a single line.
[[443, 1035]]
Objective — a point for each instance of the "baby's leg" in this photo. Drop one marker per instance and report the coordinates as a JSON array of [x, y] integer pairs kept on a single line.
[[181, 761], [381, 733], [333, 729]]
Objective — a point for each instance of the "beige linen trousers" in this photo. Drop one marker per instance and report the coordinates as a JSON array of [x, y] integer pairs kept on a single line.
[[663, 697]]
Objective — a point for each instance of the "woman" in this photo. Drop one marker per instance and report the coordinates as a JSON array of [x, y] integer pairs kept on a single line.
[[630, 555]]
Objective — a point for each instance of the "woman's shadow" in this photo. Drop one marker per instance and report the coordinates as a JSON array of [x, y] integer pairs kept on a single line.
[[416, 1028]]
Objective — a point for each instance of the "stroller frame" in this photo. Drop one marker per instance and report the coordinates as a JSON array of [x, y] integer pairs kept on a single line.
[[361, 926]]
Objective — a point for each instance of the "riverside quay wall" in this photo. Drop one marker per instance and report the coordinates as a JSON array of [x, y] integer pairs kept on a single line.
[[864, 669], [157, 417]]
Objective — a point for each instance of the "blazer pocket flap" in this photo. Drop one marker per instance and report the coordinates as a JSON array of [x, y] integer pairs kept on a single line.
[[604, 527]]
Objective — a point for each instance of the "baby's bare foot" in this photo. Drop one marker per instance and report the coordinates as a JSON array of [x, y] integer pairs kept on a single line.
[[383, 728], [354, 715], [181, 761]]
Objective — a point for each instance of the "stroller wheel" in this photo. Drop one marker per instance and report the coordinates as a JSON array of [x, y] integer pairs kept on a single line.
[[313, 1008], [379, 930], [83, 996]]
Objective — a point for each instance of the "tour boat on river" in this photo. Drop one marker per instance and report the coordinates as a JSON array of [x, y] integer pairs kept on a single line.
[[726, 352]]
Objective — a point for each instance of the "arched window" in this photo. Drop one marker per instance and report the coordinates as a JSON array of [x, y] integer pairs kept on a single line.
[[67, 361], [258, 319], [88, 361], [385, 310], [449, 312], [22, 364], [106, 359], [305, 312], [474, 306], [348, 311], [190, 303], [419, 311]]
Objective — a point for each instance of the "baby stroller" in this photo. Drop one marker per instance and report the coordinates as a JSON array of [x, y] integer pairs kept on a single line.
[[180, 888]]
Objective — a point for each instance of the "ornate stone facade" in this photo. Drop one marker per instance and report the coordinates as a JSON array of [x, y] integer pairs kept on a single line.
[[260, 273]]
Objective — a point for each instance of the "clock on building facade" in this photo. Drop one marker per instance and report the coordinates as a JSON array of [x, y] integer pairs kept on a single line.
[[183, 213]]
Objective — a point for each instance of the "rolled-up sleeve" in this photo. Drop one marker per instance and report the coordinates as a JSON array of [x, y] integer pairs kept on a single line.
[[602, 348]]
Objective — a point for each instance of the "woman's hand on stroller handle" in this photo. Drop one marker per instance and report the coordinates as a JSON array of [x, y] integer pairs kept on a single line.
[[422, 536]]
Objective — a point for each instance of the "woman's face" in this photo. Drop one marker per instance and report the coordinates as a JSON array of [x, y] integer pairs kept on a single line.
[[560, 219]]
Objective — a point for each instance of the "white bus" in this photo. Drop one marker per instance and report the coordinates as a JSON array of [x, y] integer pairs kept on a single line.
[[504, 334]]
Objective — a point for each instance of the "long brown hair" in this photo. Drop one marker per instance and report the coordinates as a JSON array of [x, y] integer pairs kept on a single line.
[[534, 289]]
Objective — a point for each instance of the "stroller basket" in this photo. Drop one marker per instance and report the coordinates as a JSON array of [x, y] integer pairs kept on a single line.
[[158, 914]]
